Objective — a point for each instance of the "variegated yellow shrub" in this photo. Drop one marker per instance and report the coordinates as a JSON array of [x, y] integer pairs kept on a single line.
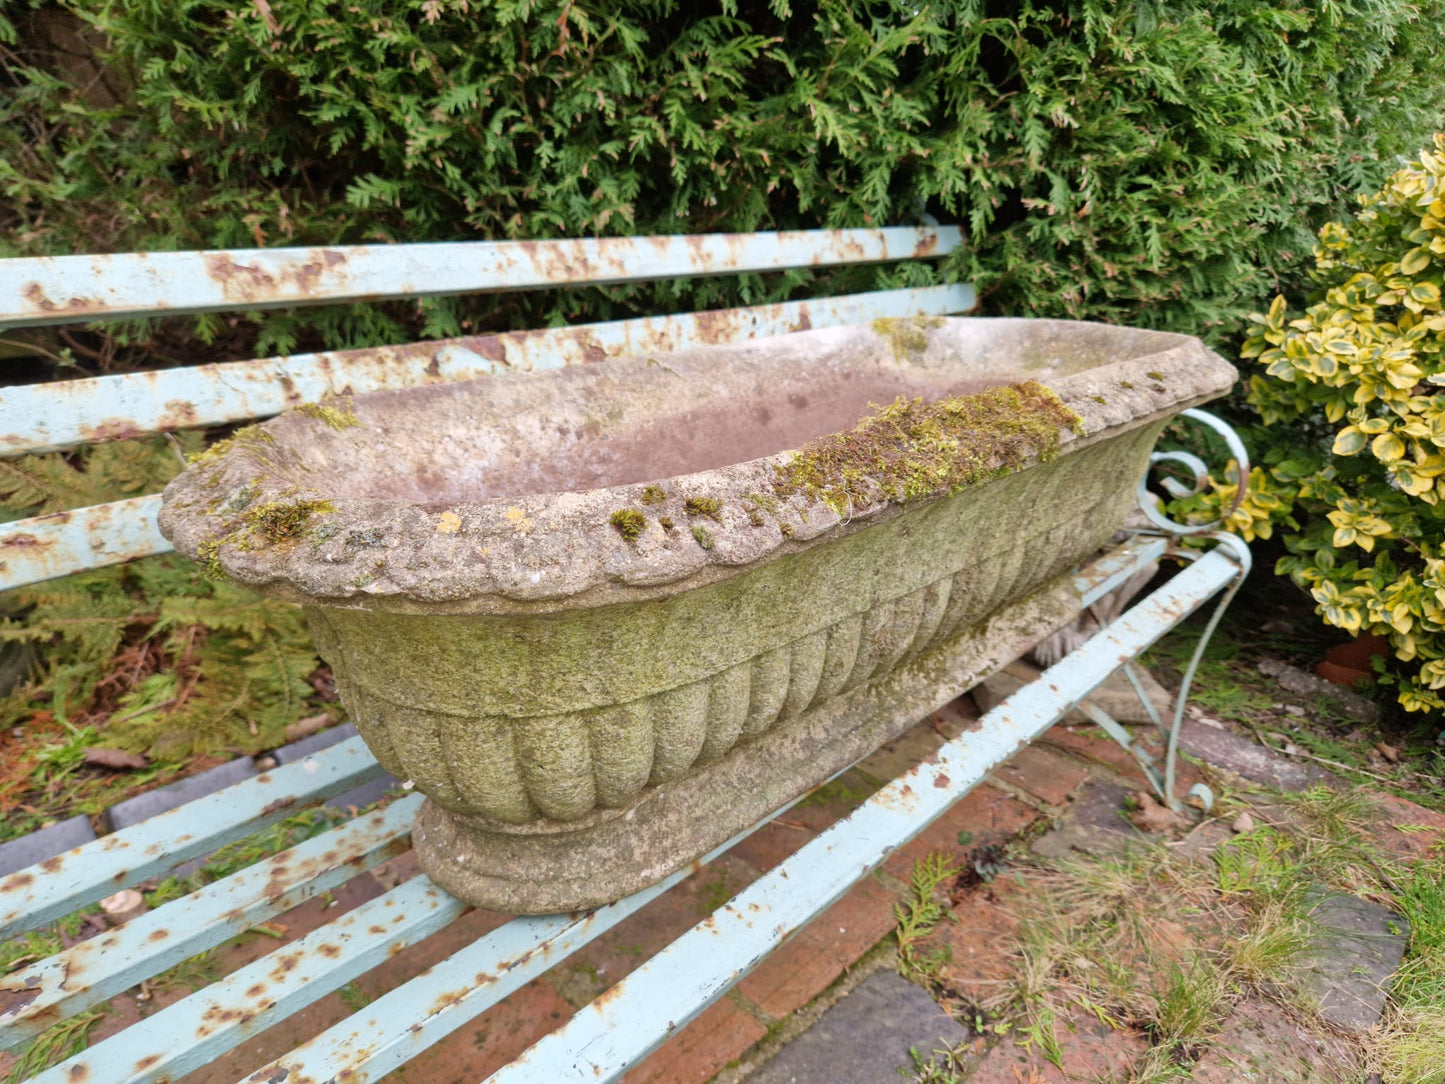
[[1351, 395]]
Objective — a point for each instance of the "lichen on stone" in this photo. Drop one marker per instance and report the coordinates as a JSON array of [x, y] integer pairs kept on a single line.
[[629, 522], [910, 450], [242, 498], [338, 417]]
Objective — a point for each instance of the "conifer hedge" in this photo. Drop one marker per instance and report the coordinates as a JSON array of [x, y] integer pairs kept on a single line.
[[1160, 164]]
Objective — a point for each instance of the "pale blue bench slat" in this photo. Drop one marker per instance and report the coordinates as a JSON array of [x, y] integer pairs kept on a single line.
[[83, 975], [51, 415], [69, 881], [252, 998], [71, 289], [618, 1030], [45, 417], [400, 1024]]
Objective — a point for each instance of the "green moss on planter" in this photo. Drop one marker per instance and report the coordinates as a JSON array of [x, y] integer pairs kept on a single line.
[[703, 536], [702, 506], [1126, 385], [251, 434], [209, 553], [653, 494], [280, 521], [665, 522], [338, 418], [629, 522], [765, 502], [911, 450], [907, 334], [786, 529], [1154, 374]]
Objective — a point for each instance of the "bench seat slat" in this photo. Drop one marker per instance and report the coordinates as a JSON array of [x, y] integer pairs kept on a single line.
[[619, 1029], [81, 976], [73, 289], [392, 1029], [187, 1034], [56, 887], [45, 417]]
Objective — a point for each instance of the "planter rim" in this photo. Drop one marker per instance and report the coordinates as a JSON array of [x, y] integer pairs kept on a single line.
[[556, 550]]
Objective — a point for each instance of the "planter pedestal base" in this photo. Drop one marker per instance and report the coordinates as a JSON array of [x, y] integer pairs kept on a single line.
[[572, 868]]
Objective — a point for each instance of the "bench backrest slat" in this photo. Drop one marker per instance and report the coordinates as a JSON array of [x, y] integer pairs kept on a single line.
[[70, 289], [61, 414], [46, 417]]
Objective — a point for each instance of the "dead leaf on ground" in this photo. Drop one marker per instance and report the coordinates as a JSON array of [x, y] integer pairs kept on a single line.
[[118, 759], [305, 727], [1389, 752], [1152, 816]]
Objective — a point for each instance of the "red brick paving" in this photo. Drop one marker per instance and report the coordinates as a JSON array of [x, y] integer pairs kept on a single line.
[[1048, 776], [1092, 744], [977, 938], [984, 815], [822, 951], [1426, 827], [718, 1036], [1090, 1051], [479, 1048]]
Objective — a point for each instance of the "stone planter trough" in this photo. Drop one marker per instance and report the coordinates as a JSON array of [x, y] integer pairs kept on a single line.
[[606, 617]]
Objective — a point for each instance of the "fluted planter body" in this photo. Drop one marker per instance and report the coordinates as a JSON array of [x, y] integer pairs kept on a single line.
[[601, 618]]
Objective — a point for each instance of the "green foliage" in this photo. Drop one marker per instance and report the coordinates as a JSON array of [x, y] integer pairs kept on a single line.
[[1162, 164], [921, 911], [149, 657], [1355, 428]]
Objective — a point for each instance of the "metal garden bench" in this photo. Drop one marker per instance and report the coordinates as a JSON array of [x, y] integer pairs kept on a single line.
[[615, 1032]]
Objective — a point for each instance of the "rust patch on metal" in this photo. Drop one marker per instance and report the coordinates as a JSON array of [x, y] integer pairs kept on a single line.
[[489, 347], [14, 999], [256, 989], [146, 1062], [717, 325], [253, 283], [78, 1071], [278, 805], [159, 935], [16, 882], [178, 414], [25, 540], [34, 293], [941, 781], [592, 350], [52, 864], [329, 950], [926, 247], [110, 429], [507, 965]]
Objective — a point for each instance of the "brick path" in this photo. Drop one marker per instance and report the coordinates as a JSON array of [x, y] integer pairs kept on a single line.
[[776, 1003]]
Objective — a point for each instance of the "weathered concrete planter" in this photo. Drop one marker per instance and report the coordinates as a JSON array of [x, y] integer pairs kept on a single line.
[[604, 618]]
